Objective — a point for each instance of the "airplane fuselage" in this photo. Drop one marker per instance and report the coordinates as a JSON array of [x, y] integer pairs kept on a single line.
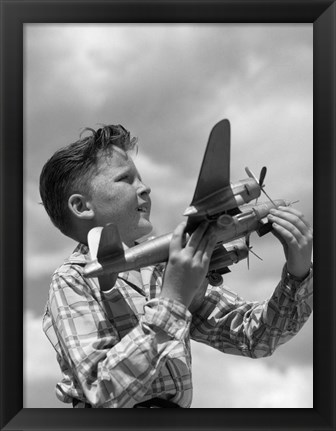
[[156, 250]]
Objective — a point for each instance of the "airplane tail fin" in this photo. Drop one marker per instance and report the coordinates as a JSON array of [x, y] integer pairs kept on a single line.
[[104, 241], [93, 241]]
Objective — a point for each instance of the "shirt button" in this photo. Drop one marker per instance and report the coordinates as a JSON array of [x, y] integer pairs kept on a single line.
[[180, 323]]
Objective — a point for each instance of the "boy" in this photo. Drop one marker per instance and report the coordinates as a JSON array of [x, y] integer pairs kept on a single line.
[[126, 342]]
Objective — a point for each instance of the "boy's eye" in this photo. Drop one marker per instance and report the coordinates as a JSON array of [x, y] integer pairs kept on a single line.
[[123, 178]]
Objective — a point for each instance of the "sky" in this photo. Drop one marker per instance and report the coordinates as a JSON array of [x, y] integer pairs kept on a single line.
[[169, 84]]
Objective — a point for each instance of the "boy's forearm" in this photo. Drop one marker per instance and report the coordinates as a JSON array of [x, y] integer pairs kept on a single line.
[[287, 311], [199, 297], [232, 325]]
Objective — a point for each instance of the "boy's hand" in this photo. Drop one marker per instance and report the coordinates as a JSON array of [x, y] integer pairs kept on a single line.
[[199, 296], [296, 236], [188, 264]]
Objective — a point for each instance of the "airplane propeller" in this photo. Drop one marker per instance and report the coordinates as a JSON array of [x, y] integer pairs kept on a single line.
[[249, 247], [260, 181], [262, 176]]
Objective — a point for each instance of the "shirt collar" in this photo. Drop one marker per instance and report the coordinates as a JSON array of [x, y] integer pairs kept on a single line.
[[80, 255]]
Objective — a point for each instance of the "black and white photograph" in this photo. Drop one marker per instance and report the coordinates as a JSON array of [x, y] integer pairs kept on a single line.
[[168, 214]]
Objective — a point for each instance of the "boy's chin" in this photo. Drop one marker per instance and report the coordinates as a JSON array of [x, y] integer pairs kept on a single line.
[[145, 231], [147, 228]]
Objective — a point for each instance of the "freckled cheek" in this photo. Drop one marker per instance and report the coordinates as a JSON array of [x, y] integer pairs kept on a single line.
[[116, 199], [121, 207]]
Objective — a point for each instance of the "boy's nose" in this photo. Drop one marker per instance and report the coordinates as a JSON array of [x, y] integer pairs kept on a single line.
[[143, 188]]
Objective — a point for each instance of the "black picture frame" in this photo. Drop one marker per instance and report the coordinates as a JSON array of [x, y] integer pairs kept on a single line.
[[14, 14]]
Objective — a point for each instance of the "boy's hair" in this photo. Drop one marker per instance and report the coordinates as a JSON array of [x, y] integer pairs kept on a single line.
[[70, 168]]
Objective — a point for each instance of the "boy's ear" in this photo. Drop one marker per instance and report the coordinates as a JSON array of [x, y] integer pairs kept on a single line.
[[80, 207]]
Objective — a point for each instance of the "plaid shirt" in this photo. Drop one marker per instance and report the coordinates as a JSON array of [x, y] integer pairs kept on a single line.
[[124, 346]]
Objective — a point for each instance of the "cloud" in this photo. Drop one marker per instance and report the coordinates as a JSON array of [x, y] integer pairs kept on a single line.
[[225, 381], [40, 367], [40, 357], [171, 192], [40, 264], [45, 247]]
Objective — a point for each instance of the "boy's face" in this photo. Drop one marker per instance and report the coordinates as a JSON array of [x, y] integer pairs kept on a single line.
[[118, 196]]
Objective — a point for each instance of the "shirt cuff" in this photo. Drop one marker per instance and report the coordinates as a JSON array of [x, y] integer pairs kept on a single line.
[[167, 315], [294, 286]]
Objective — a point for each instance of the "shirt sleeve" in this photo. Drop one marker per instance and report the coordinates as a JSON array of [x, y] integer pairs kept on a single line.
[[228, 323], [113, 372]]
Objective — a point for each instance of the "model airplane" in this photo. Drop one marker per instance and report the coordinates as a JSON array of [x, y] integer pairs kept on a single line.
[[221, 203]]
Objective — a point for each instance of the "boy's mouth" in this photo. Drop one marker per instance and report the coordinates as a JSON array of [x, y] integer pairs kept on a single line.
[[143, 208]]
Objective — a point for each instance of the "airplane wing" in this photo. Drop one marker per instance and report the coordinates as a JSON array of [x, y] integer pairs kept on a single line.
[[215, 169]]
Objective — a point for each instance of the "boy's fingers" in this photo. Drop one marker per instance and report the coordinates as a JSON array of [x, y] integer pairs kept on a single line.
[[296, 213], [286, 226], [209, 248], [176, 242], [285, 235], [206, 246], [196, 237], [290, 220]]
